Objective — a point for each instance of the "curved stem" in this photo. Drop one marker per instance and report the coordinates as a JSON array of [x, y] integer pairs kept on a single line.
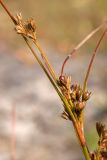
[[92, 60], [80, 45], [65, 61]]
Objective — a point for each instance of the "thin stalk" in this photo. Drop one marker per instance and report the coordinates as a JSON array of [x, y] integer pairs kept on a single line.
[[42, 66], [51, 80], [92, 60], [80, 45], [10, 15], [66, 104], [86, 153], [82, 141], [98, 153], [44, 57]]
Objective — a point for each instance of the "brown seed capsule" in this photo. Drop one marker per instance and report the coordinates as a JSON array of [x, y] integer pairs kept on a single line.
[[104, 155], [104, 134], [104, 138], [78, 94], [73, 96], [31, 25], [73, 87], [86, 96], [79, 106], [61, 81]]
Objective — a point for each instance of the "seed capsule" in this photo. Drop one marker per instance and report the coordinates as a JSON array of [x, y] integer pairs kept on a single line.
[[73, 87], [78, 94], [61, 81], [79, 106], [86, 96], [73, 96]]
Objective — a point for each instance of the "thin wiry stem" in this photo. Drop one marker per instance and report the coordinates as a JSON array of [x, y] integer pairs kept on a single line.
[[42, 66], [80, 45], [92, 60], [63, 99], [5, 8], [45, 59]]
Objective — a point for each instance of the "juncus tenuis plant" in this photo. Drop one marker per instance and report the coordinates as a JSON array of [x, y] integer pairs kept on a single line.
[[74, 97]]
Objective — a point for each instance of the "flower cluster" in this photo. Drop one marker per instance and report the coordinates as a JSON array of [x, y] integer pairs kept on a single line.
[[74, 93], [25, 28], [101, 153]]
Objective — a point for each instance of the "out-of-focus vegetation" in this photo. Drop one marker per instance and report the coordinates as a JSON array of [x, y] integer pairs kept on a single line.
[[59, 22]]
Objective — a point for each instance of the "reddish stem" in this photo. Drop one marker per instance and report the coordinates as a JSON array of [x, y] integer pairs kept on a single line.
[[92, 59], [10, 15], [65, 61]]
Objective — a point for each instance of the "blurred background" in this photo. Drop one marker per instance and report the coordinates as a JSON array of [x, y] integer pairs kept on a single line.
[[41, 133]]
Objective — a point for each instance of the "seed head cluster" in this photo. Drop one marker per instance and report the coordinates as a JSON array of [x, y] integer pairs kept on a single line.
[[25, 28], [101, 154], [73, 93]]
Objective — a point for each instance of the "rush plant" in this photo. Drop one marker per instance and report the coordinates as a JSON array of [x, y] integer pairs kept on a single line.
[[74, 97]]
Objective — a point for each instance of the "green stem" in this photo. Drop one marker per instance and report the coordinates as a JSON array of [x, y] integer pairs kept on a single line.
[[86, 153], [44, 57]]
